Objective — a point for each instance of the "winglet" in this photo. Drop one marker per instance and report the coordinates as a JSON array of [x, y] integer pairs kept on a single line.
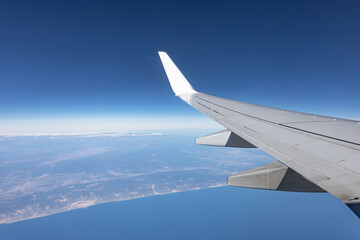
[[178, 82]]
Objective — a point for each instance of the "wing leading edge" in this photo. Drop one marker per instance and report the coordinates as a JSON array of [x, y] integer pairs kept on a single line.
[[314, 153]]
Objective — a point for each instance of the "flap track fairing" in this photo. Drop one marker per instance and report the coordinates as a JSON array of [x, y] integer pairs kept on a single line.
[[224, 138]]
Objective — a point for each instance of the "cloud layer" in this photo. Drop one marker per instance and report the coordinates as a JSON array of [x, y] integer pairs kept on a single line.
[[53, 127]]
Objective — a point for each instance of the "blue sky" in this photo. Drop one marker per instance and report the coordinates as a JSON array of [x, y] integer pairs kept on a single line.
[[98, 59]]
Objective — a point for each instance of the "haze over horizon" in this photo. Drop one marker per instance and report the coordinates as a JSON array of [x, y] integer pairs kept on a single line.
[[85, 60]]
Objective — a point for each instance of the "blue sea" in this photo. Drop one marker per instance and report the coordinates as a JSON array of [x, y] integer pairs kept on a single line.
[[215, 213]]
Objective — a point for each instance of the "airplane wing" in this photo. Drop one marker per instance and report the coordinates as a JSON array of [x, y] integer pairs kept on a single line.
[[314, 153]]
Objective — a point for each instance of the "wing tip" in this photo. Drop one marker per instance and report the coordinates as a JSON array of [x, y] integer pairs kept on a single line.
[[178, 82], [162, 53]]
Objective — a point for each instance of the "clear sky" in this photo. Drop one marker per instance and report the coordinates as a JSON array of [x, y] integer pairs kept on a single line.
[[98, 59]]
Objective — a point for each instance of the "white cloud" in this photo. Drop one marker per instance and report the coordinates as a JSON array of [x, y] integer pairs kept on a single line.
[[81, 153], [84, 134], [123, 134], [82, 204], [55, 127]]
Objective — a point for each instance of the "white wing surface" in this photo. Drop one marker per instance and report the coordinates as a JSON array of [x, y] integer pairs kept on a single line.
[[314, 153]]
